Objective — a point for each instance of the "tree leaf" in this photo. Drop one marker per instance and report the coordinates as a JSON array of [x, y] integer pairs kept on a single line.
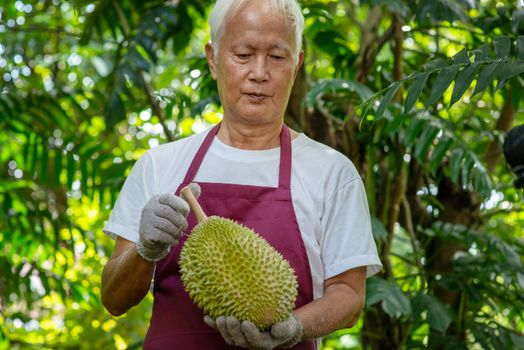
[[482, 182], [58, 167], [442, 82], [520, 279], [393, 301], [414, 91], [44, 157], [390, 92], [438, 154], [334, 86], [27, 149], [469, 162], [424, 142], [395, 6], [379, 230], [396, 304], [520, 47], [376, 288], [71, 167], [84, 176], [481, 53], [517, 341], [502, 46], [394, 126], [508, 71], [438, 316], [434, 65], [455, 163], [102, 67], [463, 82], [115, 109], [34, 157], [461, 57], [413, 130], [92, 187], [486, 76]]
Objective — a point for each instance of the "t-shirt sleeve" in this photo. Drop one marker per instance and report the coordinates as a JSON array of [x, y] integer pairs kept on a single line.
[[348, 240], [137, 190]]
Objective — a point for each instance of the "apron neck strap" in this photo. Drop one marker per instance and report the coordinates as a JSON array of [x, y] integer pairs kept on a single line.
[[284, 179]]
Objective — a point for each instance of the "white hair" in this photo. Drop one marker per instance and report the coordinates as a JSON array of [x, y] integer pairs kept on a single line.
[[224, 8]]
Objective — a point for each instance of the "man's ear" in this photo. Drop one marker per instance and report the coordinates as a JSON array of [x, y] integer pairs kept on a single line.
[[299, 63], [210, 56]]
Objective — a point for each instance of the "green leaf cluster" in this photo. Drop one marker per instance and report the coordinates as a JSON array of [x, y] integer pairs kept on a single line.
[[411, 91]]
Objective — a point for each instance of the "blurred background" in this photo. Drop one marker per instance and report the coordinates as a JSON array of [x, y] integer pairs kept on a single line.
[[418, 94]]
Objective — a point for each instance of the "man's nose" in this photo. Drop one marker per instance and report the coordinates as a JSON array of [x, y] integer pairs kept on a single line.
[[259, 70]]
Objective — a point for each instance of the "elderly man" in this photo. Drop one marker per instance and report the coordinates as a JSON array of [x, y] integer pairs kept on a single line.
[[251, 161]]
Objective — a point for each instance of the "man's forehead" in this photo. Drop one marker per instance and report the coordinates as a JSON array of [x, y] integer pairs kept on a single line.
[[251, 46]]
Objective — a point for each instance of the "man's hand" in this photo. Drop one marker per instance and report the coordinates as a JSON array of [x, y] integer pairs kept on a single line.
[[163, 220], [245, 334]]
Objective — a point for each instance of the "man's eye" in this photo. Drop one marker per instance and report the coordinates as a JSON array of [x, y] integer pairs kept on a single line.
[[278, 58], [243, 55]]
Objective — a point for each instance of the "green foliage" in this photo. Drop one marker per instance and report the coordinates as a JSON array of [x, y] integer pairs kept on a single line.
[[88, 86], [488, 275], [490, 64], [65, 154]]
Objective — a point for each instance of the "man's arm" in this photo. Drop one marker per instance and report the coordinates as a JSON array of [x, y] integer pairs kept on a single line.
[[127, 275], [126, 278], [340, 306]]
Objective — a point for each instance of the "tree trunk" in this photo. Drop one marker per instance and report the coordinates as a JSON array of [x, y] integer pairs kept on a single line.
[[381, 331], [460, 207], [507, 116]]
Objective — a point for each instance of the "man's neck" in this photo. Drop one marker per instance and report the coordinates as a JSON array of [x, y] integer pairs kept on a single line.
[[251, 137]]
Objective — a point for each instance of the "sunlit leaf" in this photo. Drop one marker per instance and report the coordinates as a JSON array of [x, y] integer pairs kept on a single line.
[[486, 76], [463, 81], [502, 46], [442, 82], [386, 100], [414, 91], [461, 57]]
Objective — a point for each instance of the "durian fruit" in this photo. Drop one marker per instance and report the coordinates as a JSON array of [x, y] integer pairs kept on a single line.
[[229, 270]]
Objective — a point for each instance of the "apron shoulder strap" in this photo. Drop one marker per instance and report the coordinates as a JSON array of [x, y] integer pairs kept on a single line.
[[284, 179], [201, 153]]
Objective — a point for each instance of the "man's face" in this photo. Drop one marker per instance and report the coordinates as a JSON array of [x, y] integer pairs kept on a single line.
[[255, 67]]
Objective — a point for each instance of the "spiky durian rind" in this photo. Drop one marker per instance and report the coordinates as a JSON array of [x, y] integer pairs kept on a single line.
[[229, 270]]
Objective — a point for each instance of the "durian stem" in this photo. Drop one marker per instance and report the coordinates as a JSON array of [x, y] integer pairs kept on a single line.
[[193, 204]]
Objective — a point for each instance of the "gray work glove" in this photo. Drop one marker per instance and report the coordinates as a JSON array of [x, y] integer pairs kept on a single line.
[[163, 220], [285, 334]]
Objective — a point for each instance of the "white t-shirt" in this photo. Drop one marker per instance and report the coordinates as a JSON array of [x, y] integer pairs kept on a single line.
[[328, 196]]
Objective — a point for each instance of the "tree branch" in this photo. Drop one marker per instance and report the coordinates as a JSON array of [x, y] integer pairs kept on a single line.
[[393, 211]]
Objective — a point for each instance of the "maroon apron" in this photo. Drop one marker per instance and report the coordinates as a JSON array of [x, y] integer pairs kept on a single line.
[[177, 323]]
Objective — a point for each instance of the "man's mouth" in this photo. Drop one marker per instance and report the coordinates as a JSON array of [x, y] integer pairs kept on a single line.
[[256, 96]]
